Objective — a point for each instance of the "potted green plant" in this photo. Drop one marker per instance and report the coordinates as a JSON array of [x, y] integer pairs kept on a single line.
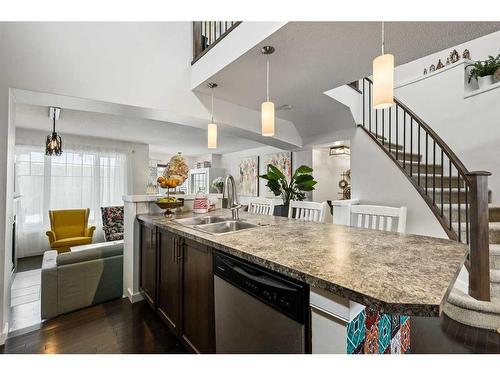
[[218, 184], [295, 189], [483, 71]]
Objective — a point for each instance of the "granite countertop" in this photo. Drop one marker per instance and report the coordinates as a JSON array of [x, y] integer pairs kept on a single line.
[[394, 273]]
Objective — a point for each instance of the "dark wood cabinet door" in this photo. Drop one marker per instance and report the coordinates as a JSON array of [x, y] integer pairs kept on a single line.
[[169, 279], [148, 263], [197, 307]]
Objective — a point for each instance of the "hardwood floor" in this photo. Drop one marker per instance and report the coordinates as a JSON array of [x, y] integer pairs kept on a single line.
[[446, 336], [29, 263], [120, 327], [113, 327]]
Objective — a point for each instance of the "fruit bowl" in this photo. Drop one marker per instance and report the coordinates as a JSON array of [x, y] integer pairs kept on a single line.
[[170, 206]]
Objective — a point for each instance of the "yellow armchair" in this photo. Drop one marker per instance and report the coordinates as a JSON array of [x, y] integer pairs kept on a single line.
[[69, 228]]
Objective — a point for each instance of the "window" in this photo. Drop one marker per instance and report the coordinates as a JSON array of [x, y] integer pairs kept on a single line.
[[77, 179]]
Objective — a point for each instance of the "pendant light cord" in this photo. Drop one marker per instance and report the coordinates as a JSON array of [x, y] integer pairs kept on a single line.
[[54, 123], [212, 105], [383, 39], [267, 78]]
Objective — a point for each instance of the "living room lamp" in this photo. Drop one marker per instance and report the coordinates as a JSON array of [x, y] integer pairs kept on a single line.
[[383, 78], [53, 142], [267, 109], [212, 127]]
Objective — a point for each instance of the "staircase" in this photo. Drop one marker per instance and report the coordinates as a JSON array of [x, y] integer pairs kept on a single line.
[[460, 306], [458, 198], [467, 310]]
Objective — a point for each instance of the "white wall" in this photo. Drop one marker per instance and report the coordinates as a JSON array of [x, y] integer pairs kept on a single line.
[[470, 126], [229, 162], [375, 179], [327, 171]]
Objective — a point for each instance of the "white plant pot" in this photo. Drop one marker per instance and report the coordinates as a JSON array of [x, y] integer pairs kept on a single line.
[[485, 81]]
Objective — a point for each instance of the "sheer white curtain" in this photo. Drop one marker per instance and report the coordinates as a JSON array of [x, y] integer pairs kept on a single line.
[[82, 177]]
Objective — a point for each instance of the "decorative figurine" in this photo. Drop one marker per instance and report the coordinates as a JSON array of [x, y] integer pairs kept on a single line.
[[432, 68], [439, 65], [454, 56], [466, 54], [447, 61], [425, 71]]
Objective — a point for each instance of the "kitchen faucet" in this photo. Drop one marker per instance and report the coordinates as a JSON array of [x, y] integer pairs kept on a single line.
[[232, 199]]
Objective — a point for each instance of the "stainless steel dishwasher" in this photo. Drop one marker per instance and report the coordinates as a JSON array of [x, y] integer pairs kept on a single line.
[[257, 311]]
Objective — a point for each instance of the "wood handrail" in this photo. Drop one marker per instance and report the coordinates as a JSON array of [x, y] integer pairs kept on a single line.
[[469, 190]]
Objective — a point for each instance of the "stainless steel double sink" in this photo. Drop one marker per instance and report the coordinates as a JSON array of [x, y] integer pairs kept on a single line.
[[216, 225]]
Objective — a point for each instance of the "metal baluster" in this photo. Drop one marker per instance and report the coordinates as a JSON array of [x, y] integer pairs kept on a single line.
[[390, 131], [426, 161], [383, 126], [459, 208], [434, 172], [449, 188], [404, 139], [397, 126], [364, 104], [442, 182], [466, 211], [411, 146], [418, 157], [370, 104]]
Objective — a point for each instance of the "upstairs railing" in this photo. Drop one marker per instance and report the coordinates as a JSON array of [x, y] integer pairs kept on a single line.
[[457, 196], [207, 34]]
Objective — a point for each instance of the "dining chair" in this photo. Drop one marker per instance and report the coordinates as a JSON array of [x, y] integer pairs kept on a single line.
[[391, 219], [309, 211], [261, 206]]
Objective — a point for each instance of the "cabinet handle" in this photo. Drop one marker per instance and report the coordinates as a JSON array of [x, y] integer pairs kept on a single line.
[[174, 251], [180, 253]]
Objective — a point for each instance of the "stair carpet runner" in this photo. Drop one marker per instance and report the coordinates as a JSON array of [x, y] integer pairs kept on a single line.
[[460, 306]]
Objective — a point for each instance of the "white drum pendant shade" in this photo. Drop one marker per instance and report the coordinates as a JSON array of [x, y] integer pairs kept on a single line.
[[267, 119], [212, 135], [383, 81]]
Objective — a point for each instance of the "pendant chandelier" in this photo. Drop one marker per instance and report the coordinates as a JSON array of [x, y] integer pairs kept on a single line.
[[383, 78], [53, 142], [267, 109], [212, 127]]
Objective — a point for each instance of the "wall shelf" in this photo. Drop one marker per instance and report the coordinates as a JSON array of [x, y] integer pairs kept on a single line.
[[483, 90]]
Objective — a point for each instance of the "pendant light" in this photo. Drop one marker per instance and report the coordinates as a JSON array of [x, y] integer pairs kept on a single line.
[[383, 78], [267, 109], [53, 142], [212, 127]]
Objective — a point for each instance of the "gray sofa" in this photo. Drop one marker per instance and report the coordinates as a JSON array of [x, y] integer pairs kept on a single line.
[[74, 280]]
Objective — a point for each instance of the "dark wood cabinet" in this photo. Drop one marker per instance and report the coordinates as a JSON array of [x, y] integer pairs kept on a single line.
[[176, 279], [169, 278], [198, 299], [148, 263]]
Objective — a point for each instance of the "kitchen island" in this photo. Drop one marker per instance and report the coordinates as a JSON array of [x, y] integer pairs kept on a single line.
[[390, 273]]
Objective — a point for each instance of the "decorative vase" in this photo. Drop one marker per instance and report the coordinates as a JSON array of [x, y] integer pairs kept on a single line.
[[485, 81], [281, 210]]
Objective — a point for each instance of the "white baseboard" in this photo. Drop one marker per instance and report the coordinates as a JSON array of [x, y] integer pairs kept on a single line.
[[4, 333], [134, 297]]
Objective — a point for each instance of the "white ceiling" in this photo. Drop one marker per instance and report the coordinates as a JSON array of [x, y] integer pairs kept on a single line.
[[313, 57], [161, 136]]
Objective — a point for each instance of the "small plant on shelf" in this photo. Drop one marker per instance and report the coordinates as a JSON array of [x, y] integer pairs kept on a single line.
[[301, 182], [484, 68]]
